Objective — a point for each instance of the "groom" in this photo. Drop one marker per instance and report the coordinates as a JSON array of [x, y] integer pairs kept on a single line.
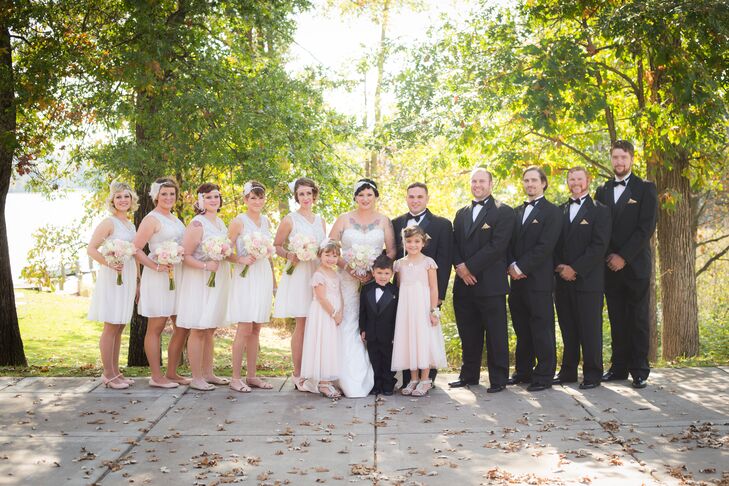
[[439, 247]]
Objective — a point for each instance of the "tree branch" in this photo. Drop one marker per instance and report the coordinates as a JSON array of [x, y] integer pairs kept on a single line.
[[574, 149], [625, 77], [712, 240], [712, 260]]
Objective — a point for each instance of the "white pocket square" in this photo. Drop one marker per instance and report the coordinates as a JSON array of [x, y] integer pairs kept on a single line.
[[632, 201], [536, 221], [485, 226], [584, 221]]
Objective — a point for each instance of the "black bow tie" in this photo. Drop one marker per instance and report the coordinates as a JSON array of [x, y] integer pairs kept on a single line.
[[619, 183], [530, 203], [381, 287], [417, 218], [478, 203], [577, 201]]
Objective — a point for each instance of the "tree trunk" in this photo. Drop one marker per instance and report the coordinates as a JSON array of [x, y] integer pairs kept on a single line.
[[677, 254], [372, 167], [11, 344], [653, 297], [138, 326]]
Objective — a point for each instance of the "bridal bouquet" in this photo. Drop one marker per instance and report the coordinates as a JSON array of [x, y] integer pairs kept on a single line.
[[360, 258], [169, 253], [216, 248], [116, 252], [258, 246], [305, 247]]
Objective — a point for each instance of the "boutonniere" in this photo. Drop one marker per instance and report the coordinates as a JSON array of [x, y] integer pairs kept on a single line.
[[584, 221], [632, 201], [485, 226], [536, 221]]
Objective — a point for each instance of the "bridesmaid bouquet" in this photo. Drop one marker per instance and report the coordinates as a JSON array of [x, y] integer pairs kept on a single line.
[[216, 248], [305, 248], [258, 246], [360, 258], [169, 253], [116, 252]]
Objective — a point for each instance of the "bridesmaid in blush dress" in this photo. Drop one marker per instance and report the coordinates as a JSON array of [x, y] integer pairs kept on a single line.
[[112, 304], [249, 302], [293, 297], [157, 301]]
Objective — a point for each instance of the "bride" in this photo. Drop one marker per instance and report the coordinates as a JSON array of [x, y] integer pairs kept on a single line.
[[363, 226]]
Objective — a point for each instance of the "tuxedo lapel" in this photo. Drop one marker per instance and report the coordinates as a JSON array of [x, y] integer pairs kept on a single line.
[[624, 197], [384, 301], [371, 299], [481, 217], [425, 221], [466, 220], [532, 216], [587, 205]]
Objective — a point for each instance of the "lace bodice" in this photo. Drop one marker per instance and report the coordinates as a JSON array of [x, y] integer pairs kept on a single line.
[[171, 229], [374, 237]]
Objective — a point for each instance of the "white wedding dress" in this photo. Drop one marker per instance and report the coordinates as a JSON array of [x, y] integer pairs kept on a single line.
[[356, 377]]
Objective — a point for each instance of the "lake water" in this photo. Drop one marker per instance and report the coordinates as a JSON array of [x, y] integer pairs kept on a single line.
[[25, 212]]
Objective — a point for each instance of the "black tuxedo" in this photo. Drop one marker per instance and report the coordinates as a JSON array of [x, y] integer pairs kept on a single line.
[[582, 245], [377, 321], [530, 301], [481, 308], [439, 248], [626, 291]]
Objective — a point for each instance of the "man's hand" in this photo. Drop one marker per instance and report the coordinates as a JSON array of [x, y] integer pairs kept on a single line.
[[465, 274], [363, 337], [568, 273], [615, 262]]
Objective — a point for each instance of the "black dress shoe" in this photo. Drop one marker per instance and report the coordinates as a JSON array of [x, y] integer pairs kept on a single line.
[[461, 383], [538, 387], [515, 380], [495, 388], [587, 385], [613, 376], [640, 383], [558, 380], [387, 393], [375, 391]]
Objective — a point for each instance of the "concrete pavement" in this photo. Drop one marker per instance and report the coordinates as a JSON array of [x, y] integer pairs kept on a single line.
[[74, 431]]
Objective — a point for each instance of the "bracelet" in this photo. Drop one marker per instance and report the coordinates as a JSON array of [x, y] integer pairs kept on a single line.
[[334, 313], [435, 312]]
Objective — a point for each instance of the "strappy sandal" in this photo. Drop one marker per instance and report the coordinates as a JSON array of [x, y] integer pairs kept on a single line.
[[299, 383], [109, 383], [126, 380], [239, 386], [256, 382], [201, 385], [329, 391], [216, 380], [410, 388], [422, 389]]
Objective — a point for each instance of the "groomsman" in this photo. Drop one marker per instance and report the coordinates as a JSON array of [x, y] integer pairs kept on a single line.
[[633, 204], [439, 248], [482, 231], [537, 229], [579, 263]]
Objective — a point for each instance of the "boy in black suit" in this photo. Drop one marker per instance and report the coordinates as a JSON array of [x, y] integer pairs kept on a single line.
[[439, 247], [579, 264], [537, 229], [377, 310], [633, 204]]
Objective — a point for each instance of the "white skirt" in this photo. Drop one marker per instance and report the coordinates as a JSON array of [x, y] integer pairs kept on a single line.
[[112, 303], [200, 306], [155, 297], [250, 298], [295, 294]]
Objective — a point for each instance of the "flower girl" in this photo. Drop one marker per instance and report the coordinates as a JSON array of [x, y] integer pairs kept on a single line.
[[251, 290], [419, 343], [320, 362]]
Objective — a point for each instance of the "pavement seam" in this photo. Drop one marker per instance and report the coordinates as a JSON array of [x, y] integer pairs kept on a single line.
[[614, 436], [140, 437]]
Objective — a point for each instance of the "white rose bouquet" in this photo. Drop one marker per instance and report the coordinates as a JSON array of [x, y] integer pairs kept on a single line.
[[304, 247], [215, 248], [257, 246], [116, 252], [169, 253]]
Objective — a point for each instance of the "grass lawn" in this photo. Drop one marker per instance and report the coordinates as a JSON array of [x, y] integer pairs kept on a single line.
[[59, 341]]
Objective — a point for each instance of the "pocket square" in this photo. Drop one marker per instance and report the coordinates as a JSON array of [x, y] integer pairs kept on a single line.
[[485, 226], [536, 221], [584, 221], [632, 201]]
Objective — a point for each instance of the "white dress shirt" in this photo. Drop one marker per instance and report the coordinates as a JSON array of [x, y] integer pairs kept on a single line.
[[528, 209], [412, 218], [378, 294], [620, 189], [476, 210], [575, 208]]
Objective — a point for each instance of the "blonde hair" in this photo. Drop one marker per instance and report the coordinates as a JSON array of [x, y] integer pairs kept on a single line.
[[115, 188]]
